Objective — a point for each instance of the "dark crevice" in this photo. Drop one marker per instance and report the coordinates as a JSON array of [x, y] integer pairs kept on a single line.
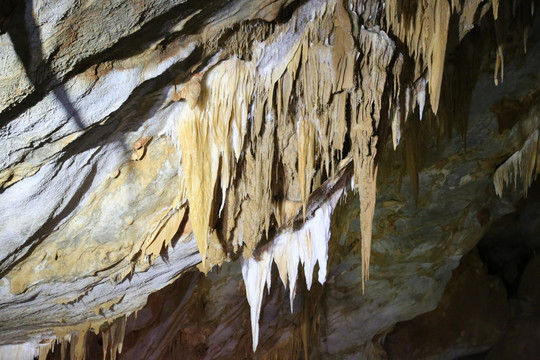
[[287, 12], [512, 240]]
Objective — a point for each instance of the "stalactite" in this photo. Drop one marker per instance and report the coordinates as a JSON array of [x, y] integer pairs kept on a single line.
[[378, 51], [495, 6], [307, 246], [45, 349], [437, 51], [211, 137], [423, 28], [75, 338], [113, 338], [78, 345], [499, 65], [306, 158], [522, 163]]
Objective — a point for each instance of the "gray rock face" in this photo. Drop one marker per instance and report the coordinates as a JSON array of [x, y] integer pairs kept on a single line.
[[102, 187]]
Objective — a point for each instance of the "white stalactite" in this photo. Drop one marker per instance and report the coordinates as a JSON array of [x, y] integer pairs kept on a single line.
[[307, 246]]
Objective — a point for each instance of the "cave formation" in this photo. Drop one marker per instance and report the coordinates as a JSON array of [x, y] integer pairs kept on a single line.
[[277, 179]]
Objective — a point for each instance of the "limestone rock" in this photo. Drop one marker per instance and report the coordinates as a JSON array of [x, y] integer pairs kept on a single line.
[[471, 317]]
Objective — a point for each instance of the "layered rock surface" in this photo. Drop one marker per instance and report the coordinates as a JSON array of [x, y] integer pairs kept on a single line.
[[140, 139]]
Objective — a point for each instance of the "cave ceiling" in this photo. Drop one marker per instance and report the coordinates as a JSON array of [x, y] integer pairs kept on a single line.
[[363, 147]]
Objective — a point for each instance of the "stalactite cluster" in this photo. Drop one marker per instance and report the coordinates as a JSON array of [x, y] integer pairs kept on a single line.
[[267, 130], [71, 342], [285, 107]]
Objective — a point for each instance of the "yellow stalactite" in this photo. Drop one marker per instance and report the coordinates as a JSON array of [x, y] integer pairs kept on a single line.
[[211, 137], [440, 20], [306, 158], [495, 5]]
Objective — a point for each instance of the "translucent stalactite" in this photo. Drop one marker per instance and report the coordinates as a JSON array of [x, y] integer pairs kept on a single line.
[[306, 246]]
